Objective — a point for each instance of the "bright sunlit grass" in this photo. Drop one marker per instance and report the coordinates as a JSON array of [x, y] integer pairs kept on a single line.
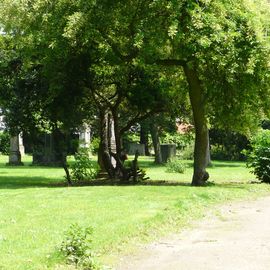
[[35, 209], [220, 171]]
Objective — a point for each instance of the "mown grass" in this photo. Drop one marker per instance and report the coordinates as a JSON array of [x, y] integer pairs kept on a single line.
[[36, 209]]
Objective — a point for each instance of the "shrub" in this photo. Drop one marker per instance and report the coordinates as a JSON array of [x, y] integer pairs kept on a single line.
[[175, 166], [94, 146], [130, 137], [83, 168], [182, 141], [258, 158], [227, 145], [188, 152], [77, 248]]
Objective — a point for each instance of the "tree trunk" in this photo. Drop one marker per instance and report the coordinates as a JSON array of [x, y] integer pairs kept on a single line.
[[144, 139], [117, 136], [121, 172], [209, 162], [111, 157], [60, 140], [104, 158], [156, 143], [201, 150]]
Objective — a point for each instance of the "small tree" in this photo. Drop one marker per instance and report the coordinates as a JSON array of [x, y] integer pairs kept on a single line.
[[259, 156]]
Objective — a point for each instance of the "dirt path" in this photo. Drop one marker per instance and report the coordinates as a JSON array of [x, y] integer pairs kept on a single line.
[[238, 239]]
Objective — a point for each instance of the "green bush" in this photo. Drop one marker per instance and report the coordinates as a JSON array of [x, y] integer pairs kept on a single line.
[[219, 153], [258, 158], [94, 146], [188, 152], [182, 141], [130, 137], [227, 145], [175, 166], [4, 143], [77, 249], [83, 168]]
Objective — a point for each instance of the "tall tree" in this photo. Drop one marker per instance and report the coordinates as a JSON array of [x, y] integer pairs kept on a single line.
[[86, 56], [222, 48]]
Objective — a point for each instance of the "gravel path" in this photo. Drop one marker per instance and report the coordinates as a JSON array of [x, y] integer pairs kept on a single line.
[[238, 239]]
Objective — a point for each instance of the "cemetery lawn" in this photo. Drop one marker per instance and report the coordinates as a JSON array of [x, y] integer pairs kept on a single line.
[[36, 208]]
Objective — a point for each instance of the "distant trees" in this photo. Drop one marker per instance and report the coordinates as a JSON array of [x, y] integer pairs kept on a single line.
[[126, 60]]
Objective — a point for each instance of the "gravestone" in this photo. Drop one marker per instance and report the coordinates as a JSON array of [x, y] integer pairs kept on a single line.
[[45, 152], [15, 153], [136, 147], [168, 151], [85, 136]]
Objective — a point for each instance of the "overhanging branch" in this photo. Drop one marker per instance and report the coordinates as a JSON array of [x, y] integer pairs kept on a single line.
[[171, 62], [139, 117]]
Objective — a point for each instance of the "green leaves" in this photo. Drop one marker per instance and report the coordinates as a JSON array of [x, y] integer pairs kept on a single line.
[[77, 247], [82, 45], [258, 158]]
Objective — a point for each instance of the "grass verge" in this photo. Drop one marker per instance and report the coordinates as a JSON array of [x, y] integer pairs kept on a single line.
[[35, 212]]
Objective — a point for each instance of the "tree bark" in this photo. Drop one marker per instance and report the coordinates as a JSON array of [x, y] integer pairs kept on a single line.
[[104, 158], [156, 143], [110, 152], [121, 171], [201, 150], [144, 139]]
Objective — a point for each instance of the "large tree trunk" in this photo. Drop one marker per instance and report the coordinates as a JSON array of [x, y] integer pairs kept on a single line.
[[104, 158], [156, 143], [201, 150], [144, 139], [110, 150], [111, 157]]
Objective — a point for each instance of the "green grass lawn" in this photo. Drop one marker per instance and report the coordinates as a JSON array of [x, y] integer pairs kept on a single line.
[[35, 210]]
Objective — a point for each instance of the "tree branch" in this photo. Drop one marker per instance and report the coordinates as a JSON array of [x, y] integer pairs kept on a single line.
[[137, 119], [171, 62], [115, 47], [106, 101]]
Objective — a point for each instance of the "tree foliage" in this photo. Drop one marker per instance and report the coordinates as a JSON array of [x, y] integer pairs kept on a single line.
[[130, 58], [259, 156]]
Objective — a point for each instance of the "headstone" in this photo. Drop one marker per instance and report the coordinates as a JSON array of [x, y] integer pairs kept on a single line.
[[136, 147], [168, 151], [85, 136], [15, 154], [45, 153]]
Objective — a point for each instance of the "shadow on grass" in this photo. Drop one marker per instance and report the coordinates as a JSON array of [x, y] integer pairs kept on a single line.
[[233, 185], [19, 182], [28, 167], [161, 183]]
